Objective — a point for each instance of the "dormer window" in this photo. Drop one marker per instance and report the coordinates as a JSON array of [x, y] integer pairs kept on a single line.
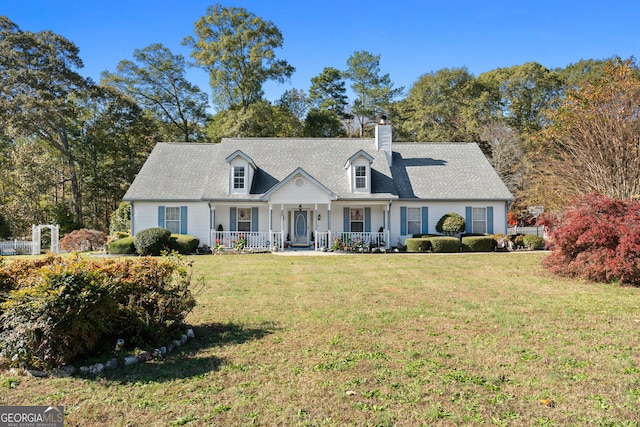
[[241, 172], [238, 178], [359, 170], [361, 177]]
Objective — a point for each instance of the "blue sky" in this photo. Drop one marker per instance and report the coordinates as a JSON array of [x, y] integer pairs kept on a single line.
[[413, 37]]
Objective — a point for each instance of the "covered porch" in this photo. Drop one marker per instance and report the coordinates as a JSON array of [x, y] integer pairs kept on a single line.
[[344, 226]]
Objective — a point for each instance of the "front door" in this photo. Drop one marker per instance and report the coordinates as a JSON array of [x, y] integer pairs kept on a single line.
[[300, 235]]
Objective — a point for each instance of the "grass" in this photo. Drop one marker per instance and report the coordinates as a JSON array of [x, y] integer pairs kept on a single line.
[[377, 340]]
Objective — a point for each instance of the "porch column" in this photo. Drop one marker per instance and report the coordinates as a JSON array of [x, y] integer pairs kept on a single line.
[[270, 224], [282, 235], [315, 226], [212, 224]]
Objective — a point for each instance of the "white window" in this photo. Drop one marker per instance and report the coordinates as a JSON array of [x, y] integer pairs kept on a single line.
[[414, 225], [238, 177], [356, 220], [479, 220], [172, 219], [361, 177], [244, 219]]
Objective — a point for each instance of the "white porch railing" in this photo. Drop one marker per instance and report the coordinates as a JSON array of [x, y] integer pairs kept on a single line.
[[241, 239], [364, 241], [16, 247]]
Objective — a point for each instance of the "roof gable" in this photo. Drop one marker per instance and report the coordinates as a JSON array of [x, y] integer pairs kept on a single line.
[[240, 154], [299, 172], [360, 153]]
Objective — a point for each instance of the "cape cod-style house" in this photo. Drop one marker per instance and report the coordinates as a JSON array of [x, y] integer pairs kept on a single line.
[[312, 192]]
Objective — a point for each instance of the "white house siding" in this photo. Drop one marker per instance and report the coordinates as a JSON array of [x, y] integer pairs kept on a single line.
[[377, 214], [221, 214], [145, 215], [437, 209], [291, 193]]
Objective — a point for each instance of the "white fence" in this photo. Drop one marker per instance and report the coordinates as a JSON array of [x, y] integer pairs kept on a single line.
[[16, 247], [534, 231], [241, 239]]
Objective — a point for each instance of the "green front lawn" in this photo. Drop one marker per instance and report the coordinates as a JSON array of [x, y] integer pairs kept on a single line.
[[406, 340]]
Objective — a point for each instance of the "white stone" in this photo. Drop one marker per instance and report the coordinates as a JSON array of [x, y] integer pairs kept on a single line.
[[183, 339], [96, 368], [130, 360], [190, 334]]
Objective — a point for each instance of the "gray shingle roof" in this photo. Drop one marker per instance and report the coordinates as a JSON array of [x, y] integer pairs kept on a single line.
[[186, 171]]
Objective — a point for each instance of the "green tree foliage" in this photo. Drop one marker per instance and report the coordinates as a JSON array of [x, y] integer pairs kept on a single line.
[[38, 75], [28, 186], [581, 72], [296, 102], [114, 138], [323, 124], [156, 81], [120, 220], [236, 48], [444, 106], [523, 92], [374, 91], [328, 92], [5, 229], [261, 119], [67, 143]]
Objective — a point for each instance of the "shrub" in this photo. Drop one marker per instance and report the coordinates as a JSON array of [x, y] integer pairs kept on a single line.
[[418, 244], [445, 244], [152, 241], [63, 309], [596, 238], [120, 219], [122, 246], [533, 242], [477, 243], [183, 243], [83, 240], [451, 223]]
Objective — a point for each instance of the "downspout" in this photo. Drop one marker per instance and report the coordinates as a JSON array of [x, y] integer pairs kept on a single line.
[[132, 216], [389, 224], [211, 222]]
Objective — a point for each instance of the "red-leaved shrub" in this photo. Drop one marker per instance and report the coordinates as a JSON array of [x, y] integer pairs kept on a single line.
[[83, 240], [597, 238]]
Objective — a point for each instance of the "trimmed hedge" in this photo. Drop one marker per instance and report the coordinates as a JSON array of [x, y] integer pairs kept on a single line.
[[183, 243], [450, 223], [444, 244], [152, 241], [122, 246], [533, 242], [477, 244], [418, 244]]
